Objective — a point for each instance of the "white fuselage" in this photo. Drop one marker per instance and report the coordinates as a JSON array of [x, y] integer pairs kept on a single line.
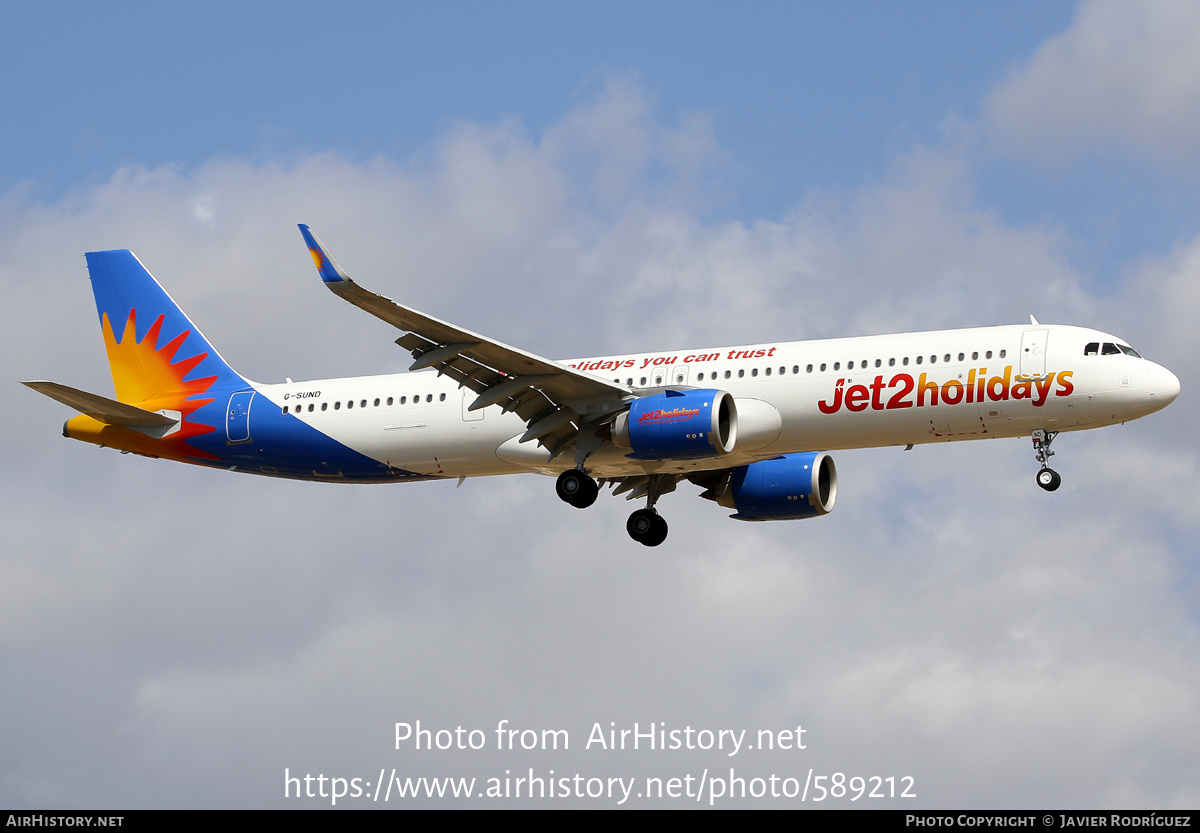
[[831, 394]]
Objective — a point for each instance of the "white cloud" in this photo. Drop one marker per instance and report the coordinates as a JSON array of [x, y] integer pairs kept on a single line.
[[1124, 74]]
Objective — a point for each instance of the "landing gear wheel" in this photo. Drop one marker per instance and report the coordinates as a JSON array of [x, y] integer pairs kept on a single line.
[[576, 488], [1048, 479], [647, 527], [658, 533]]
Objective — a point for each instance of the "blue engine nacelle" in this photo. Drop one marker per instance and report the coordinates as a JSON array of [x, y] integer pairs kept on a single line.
[[784, 488], [678, 425]]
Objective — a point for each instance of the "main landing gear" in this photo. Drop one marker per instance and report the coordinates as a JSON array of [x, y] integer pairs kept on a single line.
[[1047, 477], [576, 488], [645, 526]]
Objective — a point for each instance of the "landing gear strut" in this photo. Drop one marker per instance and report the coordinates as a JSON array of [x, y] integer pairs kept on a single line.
[[576, 488], [1047, 477]]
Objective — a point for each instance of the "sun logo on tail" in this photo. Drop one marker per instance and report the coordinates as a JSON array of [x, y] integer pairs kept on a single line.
[[147, 376], [318, 258]]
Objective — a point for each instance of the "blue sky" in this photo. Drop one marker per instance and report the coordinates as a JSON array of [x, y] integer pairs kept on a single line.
[[581, 181], [800, 93]]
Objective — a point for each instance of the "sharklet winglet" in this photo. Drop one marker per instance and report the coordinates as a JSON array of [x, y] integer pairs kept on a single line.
[[330, 270]]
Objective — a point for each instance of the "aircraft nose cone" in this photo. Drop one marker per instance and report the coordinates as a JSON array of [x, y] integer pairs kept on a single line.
[[1164, 386]]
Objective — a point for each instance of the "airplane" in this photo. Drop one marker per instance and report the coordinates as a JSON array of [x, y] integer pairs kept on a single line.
[[751, 425]]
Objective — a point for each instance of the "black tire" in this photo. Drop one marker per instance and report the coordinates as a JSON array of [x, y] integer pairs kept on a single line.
[[1049, 479], [658, 532], [641, 524], [571, 484], [587, 495]]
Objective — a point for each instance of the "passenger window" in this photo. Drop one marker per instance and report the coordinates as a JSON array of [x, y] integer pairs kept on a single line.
[[742, 374], [726, 374], [642, 381], [822, 367], [389, 401], [919, 359], [324, 406], [376, 402], [905, 362], [891, 362], [849, 365], [988, 354], [310, 408], [1003, 353], [961, 356], [754, 372], [768, 371], [947, 358], [879, 362], [975, 356], [403, 400], [933, 359], [337, 406], [442, 398], [837, 365], [429, 397], [809, 369]]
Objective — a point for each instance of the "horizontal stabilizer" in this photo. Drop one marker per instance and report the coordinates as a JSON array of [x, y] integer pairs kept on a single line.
[[102, 409]]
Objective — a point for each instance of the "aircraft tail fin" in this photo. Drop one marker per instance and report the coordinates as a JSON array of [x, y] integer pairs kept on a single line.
[[156, 354]]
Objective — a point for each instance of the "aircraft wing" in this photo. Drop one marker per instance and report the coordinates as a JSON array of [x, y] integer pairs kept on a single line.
[[553, 399]]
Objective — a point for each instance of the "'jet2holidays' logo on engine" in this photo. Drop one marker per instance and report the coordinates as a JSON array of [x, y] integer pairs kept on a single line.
[[675, 415], [903, 391]]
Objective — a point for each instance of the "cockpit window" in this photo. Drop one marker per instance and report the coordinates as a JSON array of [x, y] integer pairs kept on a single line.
[[1109, 349]]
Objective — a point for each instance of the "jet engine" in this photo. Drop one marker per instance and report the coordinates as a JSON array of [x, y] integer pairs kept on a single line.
[[789, 487], [678, 425]]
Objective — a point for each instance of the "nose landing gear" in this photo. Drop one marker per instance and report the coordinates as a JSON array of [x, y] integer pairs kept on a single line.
[[1047, 477]]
